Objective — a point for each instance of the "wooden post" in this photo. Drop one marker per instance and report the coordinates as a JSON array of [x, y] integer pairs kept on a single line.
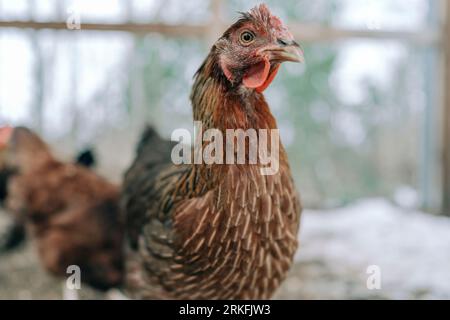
[[446, 112]]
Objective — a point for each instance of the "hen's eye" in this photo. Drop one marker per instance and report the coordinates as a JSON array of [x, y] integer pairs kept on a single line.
[[247, 37]]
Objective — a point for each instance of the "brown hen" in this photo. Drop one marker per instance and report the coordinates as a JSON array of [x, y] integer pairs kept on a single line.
[[70, 212], [15, 234], [217, 231]]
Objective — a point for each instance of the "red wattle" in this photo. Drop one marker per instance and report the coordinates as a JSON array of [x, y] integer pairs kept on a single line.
[[257, 75], [268, 80]]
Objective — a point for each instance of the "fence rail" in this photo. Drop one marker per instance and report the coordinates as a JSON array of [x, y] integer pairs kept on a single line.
[[303, 32]]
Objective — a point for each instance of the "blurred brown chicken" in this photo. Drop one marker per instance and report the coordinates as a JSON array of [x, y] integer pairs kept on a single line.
[[217, 231], [14, 235], [69, 211]]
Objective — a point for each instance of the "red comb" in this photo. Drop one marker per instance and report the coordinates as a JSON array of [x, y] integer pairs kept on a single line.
[[5, 135], [262, 13]]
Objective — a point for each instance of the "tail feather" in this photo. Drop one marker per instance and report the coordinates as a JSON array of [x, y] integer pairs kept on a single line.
[[152, 152], [5, 176], [152, 148], [12, 238], [86, 158], [149, 137]]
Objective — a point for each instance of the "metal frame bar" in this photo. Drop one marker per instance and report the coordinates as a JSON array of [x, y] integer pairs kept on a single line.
[[169, 30], [303, 32], [446, 113]]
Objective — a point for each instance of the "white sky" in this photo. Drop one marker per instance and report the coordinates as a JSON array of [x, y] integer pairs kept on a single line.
[[384, 14]]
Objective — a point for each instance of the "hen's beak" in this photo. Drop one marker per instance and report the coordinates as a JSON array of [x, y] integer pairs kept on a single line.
[[285, 51]]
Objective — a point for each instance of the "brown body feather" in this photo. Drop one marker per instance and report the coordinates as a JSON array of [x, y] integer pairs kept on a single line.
[[71, 213], [210, 231]]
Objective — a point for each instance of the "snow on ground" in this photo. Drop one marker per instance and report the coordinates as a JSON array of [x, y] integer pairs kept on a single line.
[[412, 250]]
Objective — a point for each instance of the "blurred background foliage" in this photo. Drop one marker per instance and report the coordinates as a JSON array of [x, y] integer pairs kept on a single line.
[[353, 118]]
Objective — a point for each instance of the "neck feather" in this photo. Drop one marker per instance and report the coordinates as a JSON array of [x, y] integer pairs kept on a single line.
[[218, 104], [221, 105]]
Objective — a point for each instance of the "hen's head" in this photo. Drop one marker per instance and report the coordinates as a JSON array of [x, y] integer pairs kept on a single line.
[[252, 49], [21, 149]]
